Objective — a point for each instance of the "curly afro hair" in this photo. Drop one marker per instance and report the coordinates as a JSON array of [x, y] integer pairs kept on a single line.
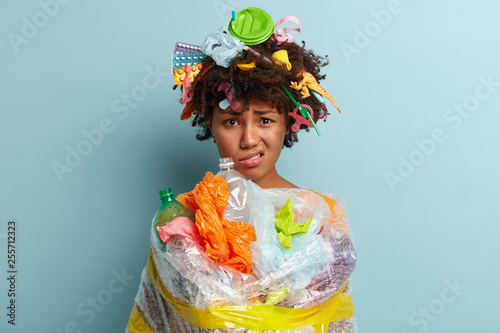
[[263, 82]]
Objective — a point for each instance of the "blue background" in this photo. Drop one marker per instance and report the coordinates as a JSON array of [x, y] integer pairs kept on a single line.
[[396, 80]]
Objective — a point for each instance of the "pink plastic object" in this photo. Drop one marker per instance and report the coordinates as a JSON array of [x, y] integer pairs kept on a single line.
[[187, 94], [229, 94], [299, 120], [181, 226], [282, 35]]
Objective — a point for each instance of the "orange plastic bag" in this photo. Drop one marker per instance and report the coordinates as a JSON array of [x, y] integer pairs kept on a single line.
[[226, 242]]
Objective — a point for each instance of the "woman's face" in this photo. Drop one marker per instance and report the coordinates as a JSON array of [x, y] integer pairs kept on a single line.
[[253, 138]]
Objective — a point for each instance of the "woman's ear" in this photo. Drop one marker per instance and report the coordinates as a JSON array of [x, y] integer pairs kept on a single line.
[[212, 132], [211, 128], [288, 122], [211, 118]]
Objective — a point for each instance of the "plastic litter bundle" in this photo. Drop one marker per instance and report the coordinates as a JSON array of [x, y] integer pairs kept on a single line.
[[273, 260]]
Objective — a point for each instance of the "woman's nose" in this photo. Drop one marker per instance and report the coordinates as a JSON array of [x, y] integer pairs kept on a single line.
[[249, 136]]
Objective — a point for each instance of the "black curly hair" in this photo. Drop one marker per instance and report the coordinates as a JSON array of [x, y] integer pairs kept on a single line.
[[264, 82]]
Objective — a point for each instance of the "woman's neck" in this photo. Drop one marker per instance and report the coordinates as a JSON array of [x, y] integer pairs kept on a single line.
[[274, 181]]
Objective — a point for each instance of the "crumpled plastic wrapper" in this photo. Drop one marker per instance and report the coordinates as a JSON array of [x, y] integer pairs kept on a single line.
[[222, 47], [317, 265]]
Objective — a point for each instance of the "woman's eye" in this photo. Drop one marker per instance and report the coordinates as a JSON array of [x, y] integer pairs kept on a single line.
[[230, 122], [266, 121]]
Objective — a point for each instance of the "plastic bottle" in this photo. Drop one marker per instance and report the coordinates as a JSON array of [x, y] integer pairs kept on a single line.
[[169, 210], [239, 196]]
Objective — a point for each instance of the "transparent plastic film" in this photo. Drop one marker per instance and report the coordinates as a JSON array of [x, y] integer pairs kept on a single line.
[[238, 277], [256, 317]]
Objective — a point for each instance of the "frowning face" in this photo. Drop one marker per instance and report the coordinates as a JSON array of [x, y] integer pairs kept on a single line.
[[253, 138]]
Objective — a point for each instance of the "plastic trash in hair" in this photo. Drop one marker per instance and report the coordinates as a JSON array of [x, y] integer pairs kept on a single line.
[[222, 47]]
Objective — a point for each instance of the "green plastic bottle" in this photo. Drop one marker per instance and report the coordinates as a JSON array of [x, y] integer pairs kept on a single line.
[[169, 210]]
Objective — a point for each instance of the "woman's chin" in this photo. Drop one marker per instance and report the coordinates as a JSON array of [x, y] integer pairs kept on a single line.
[[249, 174]]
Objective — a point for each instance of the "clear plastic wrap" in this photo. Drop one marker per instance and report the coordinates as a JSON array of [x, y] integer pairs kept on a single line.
[[222, 47], [184, 290]]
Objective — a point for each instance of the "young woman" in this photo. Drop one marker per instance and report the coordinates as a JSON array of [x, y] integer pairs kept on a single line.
[[255, 133], [246, 98]]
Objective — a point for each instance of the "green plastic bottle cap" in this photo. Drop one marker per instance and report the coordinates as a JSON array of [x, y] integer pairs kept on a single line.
[[166, 192], [252, 26]]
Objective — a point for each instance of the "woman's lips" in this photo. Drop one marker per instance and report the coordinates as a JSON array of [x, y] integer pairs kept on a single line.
[[252, 160]]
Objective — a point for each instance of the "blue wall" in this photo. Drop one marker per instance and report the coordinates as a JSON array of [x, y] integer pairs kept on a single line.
[[413, 152]]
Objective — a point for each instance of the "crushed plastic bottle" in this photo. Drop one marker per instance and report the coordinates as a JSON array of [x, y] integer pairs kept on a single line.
[[169, 210], [239, 195]]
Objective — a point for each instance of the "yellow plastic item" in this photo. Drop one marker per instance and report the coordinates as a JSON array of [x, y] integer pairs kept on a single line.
[[281, 58], [309, 82], [180, 73], [277, 295], [136, 324], [255, 317], [246, 67]]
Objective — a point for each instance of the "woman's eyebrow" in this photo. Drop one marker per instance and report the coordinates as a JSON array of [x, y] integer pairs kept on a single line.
[[263, 112], [238, 113], [231, 112]]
